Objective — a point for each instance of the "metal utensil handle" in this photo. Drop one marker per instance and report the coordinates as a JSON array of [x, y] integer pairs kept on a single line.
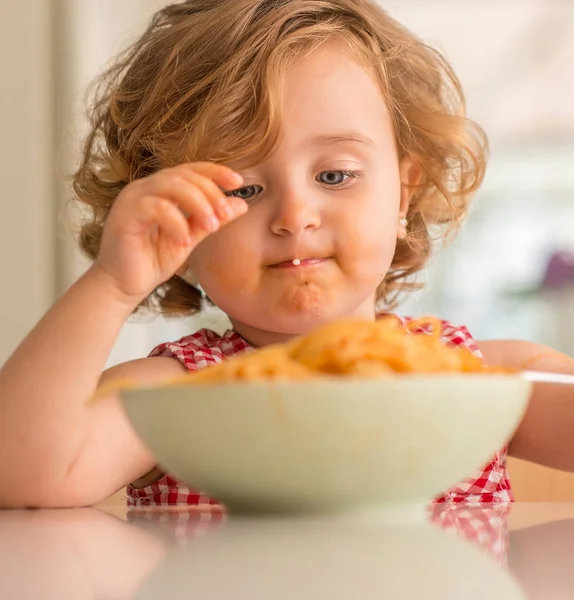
[[544, 377]]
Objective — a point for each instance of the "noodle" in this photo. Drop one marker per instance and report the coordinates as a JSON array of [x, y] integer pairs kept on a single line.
[[350, 348]]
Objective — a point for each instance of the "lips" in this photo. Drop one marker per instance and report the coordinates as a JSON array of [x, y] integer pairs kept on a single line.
[[299, 263]]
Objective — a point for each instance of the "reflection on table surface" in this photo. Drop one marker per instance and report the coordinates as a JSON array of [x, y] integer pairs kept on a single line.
[[519, 551]]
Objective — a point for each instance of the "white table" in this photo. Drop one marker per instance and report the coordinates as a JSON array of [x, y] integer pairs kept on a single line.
[[524, 551]]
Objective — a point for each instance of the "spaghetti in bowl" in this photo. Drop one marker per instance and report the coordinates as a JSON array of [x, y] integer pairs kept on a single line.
[[355, 414]]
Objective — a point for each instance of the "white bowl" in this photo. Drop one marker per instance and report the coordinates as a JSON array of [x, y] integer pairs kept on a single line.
[[328, 445]]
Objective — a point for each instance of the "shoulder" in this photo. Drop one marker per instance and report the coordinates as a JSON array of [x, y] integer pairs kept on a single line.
[[202, 349], [450, 334]]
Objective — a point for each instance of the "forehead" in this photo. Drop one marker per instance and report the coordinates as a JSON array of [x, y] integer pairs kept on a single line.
[[329, 92]]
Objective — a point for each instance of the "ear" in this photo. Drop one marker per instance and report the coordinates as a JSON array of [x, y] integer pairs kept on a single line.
[[411, 175]]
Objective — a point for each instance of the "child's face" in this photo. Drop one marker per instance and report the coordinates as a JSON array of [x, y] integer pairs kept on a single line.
[[332, 191]]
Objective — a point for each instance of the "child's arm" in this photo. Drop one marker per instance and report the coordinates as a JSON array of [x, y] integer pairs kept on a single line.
[[546, 434], [46, 429], [56, 448]]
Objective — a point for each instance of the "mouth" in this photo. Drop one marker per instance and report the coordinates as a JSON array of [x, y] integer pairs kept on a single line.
[[298, 263]]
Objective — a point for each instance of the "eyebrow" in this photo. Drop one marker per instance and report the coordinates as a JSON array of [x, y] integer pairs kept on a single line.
[[341, 138]]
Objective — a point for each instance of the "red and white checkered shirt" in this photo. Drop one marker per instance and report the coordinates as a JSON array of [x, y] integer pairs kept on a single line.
[[206, 348]]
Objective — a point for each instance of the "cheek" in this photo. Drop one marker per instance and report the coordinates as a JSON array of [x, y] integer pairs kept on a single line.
[[226, 263], [368, 236]]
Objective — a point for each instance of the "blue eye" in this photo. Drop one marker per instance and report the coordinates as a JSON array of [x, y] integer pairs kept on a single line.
[[332, 177], [336, 179], [246, 193]]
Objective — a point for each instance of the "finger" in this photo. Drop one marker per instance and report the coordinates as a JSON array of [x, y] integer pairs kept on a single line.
[[227, 179], [159, 211], [212, 192], [237, 207], [197, 206], [198, 234], [171, 185], [222, 175]]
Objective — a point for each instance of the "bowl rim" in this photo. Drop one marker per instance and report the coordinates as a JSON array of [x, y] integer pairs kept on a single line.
[[338, 382]]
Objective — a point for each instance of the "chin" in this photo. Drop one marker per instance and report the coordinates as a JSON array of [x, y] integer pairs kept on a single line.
[[301, 322]]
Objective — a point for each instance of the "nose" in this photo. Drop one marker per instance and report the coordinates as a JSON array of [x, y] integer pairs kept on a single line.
[[293, 215]]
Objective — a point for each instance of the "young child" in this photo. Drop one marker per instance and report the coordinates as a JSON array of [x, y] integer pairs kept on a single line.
[[291, 157]]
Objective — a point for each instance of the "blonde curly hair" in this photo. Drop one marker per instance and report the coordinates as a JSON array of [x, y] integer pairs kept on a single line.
[[204, 82]]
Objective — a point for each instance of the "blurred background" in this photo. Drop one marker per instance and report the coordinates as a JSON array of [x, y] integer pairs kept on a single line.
[[510, 273]]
